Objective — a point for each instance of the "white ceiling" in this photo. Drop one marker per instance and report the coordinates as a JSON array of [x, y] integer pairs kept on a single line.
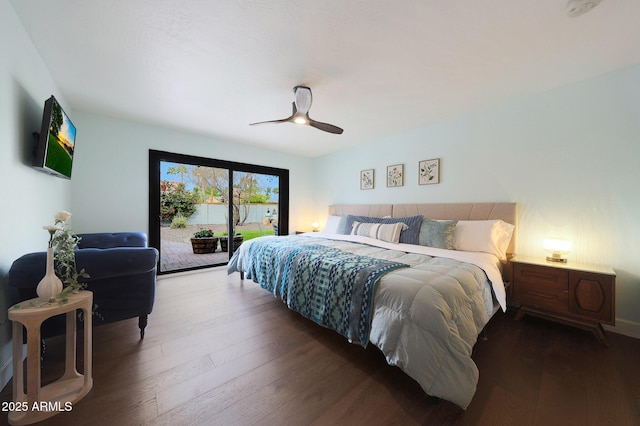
[[376, 67]]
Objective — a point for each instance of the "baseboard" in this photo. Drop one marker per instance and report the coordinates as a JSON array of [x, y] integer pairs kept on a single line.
[[624, 327]]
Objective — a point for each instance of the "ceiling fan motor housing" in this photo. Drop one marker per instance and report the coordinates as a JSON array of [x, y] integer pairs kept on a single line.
[[303, 99]]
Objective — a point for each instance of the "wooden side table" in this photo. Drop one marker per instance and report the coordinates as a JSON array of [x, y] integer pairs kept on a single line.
[[575, 294], [72, 386]]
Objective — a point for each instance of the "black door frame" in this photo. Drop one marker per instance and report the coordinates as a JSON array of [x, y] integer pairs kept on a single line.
[[156, 157]]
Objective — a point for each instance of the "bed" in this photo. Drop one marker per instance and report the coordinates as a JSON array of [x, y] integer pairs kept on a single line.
[[419, 281]]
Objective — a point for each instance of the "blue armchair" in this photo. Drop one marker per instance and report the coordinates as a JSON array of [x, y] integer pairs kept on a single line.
[[122, 271]]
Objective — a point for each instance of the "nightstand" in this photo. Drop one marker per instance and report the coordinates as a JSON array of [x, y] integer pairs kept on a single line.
[[575, 294], [41, 402]]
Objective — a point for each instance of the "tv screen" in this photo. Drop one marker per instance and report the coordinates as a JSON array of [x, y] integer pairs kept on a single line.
[[56, 142]]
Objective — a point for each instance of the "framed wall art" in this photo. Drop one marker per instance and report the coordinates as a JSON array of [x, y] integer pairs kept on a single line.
[[395, 175], [366, 179], [429, 171]]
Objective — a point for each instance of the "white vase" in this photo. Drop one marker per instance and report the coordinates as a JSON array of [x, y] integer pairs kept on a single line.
[[50, 285]]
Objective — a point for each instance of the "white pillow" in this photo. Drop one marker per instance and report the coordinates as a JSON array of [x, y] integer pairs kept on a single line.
[[389, 232], [488, 236], [331, 226]]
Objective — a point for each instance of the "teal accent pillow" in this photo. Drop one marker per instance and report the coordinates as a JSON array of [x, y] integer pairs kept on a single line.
[[342, 225], [438, 234]]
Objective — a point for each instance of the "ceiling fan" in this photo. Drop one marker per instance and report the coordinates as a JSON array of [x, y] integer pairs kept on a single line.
[[300, 113]]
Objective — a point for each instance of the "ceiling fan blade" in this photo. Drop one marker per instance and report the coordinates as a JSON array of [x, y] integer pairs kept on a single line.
[[325, 127], [284, 120]]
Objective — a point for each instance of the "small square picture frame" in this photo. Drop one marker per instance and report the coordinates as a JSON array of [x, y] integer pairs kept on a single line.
[[367, 178], [429, 171], [395, 175]]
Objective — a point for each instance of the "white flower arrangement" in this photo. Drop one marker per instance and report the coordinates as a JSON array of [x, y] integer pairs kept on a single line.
[[64, 242], [62, 216], [52, 232]]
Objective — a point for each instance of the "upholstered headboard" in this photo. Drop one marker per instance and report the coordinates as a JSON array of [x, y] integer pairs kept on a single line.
[[507, 212], [373, 210]]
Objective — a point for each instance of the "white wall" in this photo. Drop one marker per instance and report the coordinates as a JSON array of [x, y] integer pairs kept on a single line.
[[568, 156], [110, 183], [29, 199]]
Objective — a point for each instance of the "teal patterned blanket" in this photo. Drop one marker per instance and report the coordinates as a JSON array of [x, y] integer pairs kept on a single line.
[[332, 287]]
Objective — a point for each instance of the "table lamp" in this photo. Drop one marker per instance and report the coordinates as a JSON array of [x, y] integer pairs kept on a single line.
[[558, 247]]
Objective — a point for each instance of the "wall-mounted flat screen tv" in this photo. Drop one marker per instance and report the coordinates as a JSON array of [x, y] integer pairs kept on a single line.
[[56, 142]]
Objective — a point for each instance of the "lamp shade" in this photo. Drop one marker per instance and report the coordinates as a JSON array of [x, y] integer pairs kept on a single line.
[[557, 247]]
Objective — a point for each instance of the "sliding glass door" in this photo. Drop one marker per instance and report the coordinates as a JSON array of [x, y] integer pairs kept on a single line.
[[201, 209]]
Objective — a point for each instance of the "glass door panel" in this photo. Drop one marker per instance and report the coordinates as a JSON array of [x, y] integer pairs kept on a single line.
[[255, 204], [194, 215]]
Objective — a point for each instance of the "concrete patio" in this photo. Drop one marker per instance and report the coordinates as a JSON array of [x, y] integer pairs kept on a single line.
[[176, 255]]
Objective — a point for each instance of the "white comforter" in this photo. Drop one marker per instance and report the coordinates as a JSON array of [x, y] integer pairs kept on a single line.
[[424, 322]]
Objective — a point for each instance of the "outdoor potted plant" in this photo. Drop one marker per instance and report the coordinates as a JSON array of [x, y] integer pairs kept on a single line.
[[224, 241], [204, 241]]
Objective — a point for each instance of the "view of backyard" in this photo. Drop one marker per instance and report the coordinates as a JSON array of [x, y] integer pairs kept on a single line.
[[194, 203], [177, 252]]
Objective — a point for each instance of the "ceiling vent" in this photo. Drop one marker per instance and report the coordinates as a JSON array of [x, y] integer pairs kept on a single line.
[[577, 8]]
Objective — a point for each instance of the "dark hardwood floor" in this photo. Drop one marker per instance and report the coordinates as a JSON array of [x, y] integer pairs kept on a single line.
[[221, 352]]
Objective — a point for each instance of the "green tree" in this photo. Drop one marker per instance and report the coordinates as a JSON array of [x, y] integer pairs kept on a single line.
[[176, 200], [210, 180], [244, 189], [181, 170], [259, 198]]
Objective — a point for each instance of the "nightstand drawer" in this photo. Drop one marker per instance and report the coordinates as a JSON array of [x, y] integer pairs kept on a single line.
[[541, 286], [550, 297], [533, 274]]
